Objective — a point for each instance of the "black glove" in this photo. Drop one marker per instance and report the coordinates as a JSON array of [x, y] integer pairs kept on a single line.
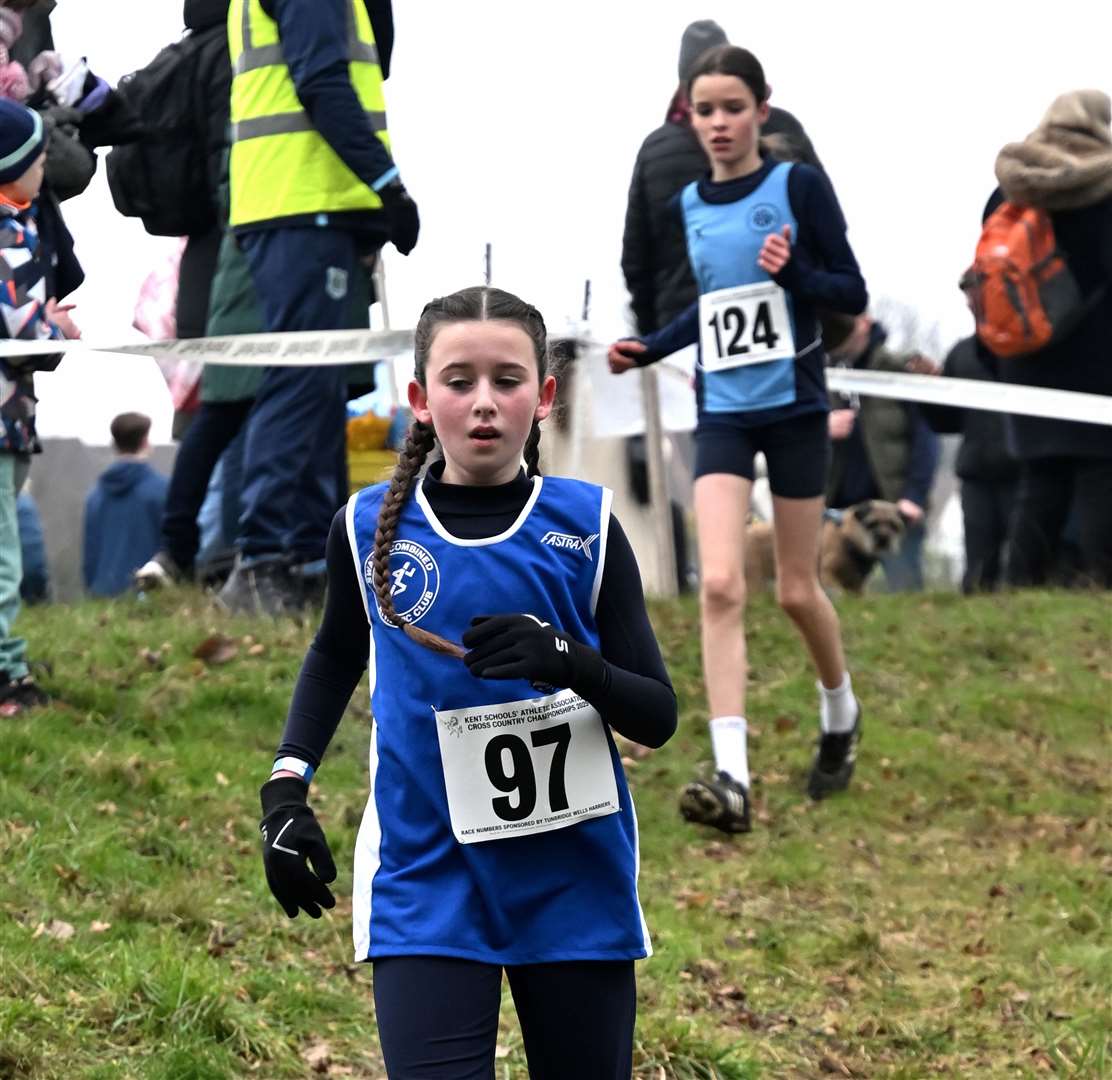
[[402, 212], [291, 834], [523, 647]]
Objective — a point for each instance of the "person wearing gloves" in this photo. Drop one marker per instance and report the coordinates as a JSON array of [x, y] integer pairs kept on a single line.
[[501, 618], [315, 193]]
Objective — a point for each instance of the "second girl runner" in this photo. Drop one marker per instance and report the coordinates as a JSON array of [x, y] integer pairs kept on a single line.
[[767, 243]]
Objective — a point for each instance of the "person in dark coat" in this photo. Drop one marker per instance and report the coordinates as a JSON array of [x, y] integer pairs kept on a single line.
[[882, 449], [1065, 168], [37, 36], [654, 251], [208, 19], [988, 470], [123, 511]]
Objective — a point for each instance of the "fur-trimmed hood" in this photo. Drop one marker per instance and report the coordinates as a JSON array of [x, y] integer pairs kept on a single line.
[[1066, 162]]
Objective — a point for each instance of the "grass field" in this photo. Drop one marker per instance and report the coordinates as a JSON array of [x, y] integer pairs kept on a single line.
[[951, 917]]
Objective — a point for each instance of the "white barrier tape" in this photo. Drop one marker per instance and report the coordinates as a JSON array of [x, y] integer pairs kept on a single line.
[[938, 390], [342, 347], [293, 349], [973, 394]]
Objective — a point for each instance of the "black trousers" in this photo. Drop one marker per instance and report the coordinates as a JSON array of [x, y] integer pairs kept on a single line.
[[214, 426], [1048, 489], [438, 1017], [986, 509]]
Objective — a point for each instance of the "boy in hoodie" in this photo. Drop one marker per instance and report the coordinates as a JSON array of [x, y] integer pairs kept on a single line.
[[123, 511], [29, 311]]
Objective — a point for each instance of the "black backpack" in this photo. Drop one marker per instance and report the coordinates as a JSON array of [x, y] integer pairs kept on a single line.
[[162, 177]]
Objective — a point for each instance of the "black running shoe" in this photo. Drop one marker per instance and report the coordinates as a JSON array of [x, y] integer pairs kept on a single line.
[[722, 803], [22, 694], [835, 759]]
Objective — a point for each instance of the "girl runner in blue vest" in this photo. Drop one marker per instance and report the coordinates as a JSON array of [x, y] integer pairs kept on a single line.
[[768, 247], [499, 833]]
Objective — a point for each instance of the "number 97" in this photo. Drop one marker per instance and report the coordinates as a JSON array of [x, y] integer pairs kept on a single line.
[[521, 777]]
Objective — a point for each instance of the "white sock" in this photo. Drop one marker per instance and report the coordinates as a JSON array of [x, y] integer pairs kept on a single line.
[[837, 707], [727, 736]]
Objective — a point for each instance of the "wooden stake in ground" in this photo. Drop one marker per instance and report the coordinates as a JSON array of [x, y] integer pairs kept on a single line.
[[659, 503]]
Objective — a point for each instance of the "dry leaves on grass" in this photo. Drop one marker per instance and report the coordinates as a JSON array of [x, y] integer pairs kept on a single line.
[[318, 1057], [56, 929], [833, 1067], [216, 649]]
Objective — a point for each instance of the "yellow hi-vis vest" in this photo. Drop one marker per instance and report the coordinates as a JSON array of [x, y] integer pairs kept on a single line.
[[281, 167]]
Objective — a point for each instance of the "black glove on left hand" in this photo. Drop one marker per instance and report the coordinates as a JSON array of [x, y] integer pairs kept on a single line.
[[523, 647], [401, 210]]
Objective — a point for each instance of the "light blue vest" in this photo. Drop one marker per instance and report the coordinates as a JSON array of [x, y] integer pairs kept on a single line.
[[568, 894], [723, 242]]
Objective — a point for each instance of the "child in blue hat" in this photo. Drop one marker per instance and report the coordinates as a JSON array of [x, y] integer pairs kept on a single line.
[[29, 311]]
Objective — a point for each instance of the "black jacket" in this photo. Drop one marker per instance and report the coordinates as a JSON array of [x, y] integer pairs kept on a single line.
[[654, 250], [207, 19], [37, 36], [1083, 361], [64, 274], [984, 453]]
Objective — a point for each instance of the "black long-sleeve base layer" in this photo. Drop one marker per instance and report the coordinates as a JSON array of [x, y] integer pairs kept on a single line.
[[625, 679]]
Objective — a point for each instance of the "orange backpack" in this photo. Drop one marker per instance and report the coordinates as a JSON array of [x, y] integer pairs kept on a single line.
[[1022, 292]]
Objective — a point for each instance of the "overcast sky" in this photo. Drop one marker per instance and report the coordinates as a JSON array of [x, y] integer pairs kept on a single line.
[[517, 124]]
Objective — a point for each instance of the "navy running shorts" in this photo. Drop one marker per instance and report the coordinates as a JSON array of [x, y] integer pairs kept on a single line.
[[796, 450]]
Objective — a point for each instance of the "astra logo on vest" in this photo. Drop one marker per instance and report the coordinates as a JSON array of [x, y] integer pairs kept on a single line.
[[414, 579], [571, 543]]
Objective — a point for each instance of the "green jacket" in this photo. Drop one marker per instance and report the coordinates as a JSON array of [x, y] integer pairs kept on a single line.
[[886, 428], [234, 309]]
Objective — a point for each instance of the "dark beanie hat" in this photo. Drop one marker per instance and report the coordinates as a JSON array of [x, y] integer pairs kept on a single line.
[[701, 35], [21, 139]]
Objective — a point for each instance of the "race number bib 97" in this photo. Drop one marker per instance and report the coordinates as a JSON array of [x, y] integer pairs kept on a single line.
[[746, 324], [525, 767]]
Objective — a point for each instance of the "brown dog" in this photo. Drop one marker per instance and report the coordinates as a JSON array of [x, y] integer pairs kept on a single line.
[[853, 541]]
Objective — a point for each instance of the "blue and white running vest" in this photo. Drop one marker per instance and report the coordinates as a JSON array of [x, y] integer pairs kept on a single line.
[[748, 329], [476, 841]]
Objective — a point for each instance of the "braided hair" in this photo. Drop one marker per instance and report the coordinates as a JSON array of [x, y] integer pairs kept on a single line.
[[479, 303]]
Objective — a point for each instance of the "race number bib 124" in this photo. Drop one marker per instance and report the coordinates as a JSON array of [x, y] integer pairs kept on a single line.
[[746, 324], [525, 767]]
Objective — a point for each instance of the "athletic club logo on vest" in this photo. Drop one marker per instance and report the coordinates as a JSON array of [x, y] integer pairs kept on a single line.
[[414, 580], [764, 217], [571, 543]]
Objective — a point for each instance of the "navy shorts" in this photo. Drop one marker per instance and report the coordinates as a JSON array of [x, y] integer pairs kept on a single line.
[[796, 450]]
